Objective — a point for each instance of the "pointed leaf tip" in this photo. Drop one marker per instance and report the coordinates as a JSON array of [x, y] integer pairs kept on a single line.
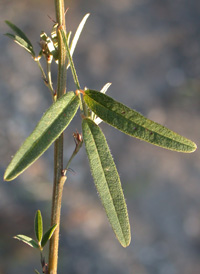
[[19, 32], [21, 42], [134, 124], [107, 180], [77, 35], [47, 236], [52, 124], [20, 38]]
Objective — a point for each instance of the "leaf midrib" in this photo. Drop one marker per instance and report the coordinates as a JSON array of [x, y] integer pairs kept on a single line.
[[153, 131], [21, 159], [109, 190]]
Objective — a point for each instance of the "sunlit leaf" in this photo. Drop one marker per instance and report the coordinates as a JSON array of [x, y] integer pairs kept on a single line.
[[94, 117], [54, 36], [105, 88], [27, 240], [38, 226], [21, 42], [107, 180], [133, 123], [77, 35], [69, 56], [47, 236], [51, 125], [48, 47]]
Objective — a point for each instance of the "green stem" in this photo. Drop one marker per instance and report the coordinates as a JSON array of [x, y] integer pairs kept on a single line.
[[47, 79], [41, 68], [59, 179], [83, 106], [50, 85], [71, 62]]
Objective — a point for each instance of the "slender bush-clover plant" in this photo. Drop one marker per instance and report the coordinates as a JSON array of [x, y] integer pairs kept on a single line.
[[94, 107]]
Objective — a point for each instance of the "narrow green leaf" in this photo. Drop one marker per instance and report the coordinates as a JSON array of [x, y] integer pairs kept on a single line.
[[73, 70], [19, 32], [27, 240], [21, 42], [77, 35], [133, 123], [38, 226], [107, 180], [51, 125], [47, 235], [37, 272]]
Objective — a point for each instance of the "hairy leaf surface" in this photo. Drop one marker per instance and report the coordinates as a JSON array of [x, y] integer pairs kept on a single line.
[[133, 123], [107, 180], [51, 125]]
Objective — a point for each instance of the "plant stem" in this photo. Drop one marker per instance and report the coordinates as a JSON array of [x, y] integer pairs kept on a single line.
[[83, 106], [40, 67], [59, 178], [50, 85]]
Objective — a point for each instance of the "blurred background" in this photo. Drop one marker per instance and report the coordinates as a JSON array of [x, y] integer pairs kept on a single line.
[[150, 51]]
